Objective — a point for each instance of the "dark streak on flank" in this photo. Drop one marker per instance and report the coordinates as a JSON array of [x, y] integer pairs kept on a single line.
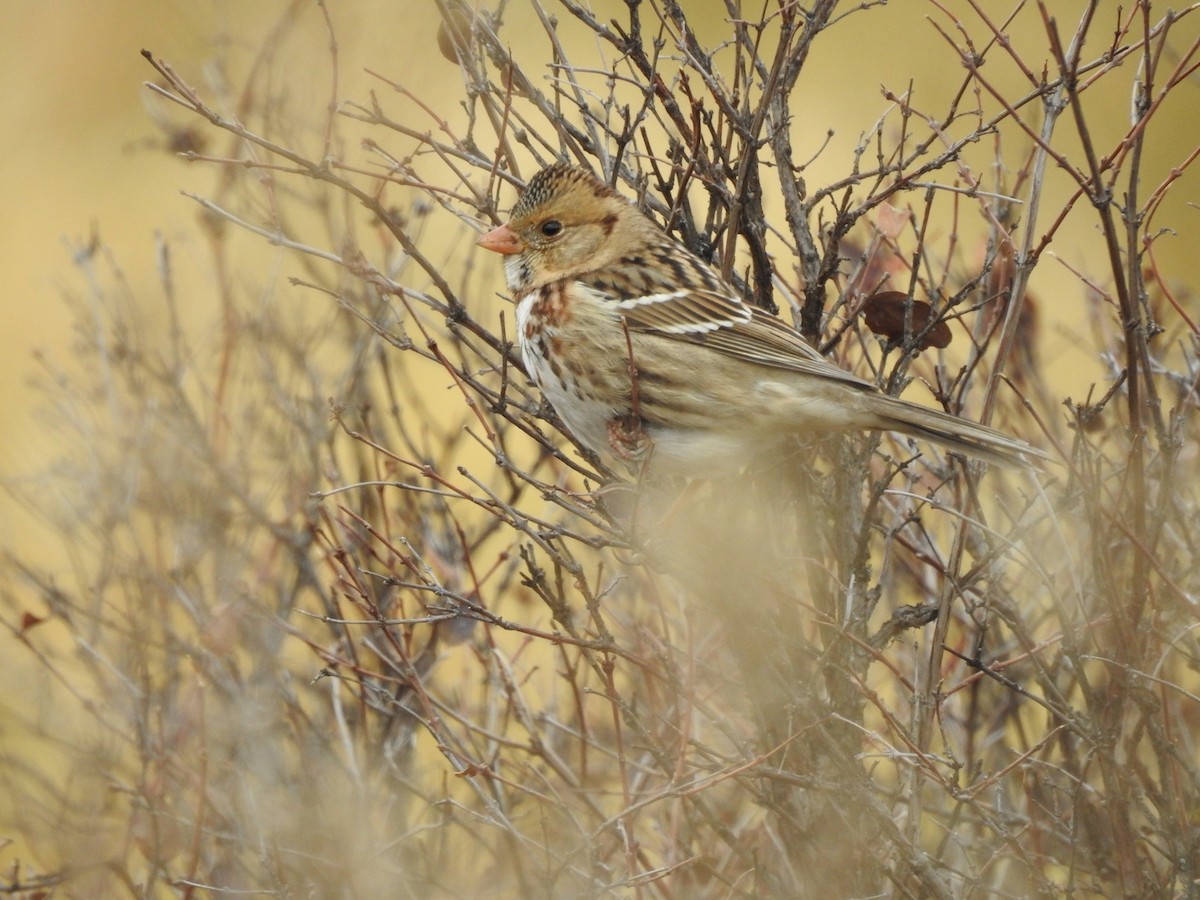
[[657, 377]]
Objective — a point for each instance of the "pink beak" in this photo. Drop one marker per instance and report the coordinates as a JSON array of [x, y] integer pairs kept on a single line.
[[501, 240]]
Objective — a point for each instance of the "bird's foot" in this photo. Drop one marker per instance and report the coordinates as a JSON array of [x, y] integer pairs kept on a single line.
[[628, 438]]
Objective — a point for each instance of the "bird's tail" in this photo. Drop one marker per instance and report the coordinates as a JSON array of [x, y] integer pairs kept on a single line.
[[970, 438]]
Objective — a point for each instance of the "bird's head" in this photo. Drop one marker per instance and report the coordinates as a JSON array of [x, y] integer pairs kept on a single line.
[[566, 223]]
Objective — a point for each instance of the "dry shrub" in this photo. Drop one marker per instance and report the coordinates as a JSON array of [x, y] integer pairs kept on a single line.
[[354, 617]]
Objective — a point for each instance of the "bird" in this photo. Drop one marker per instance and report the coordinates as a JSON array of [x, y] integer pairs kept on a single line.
[[650, 357]]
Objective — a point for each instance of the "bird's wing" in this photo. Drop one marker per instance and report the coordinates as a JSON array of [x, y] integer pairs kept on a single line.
[[728, 325]]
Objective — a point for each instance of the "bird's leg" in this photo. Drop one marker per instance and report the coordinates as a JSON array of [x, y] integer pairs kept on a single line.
[[628, 438], [626, 435]]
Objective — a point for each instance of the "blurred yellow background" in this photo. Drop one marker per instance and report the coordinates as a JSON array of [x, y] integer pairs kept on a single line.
[[84, 148], [81, 150]]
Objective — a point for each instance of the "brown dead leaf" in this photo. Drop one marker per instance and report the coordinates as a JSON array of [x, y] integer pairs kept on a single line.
[[884, 315], [454, 32], [890, 221]]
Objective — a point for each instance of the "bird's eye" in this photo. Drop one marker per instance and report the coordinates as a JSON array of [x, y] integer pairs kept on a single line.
[[551, 227]]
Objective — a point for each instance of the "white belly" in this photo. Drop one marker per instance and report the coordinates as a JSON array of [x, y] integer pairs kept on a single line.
[[587, 418]]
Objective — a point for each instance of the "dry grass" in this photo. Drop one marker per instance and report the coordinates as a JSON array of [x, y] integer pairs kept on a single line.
[[425, 647]]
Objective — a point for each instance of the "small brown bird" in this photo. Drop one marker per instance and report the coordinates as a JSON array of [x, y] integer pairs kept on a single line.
[[646, 353]]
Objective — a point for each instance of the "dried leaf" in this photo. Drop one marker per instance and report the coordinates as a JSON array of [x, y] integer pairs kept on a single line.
[[890, 221], [884, 315], [455, 31]]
